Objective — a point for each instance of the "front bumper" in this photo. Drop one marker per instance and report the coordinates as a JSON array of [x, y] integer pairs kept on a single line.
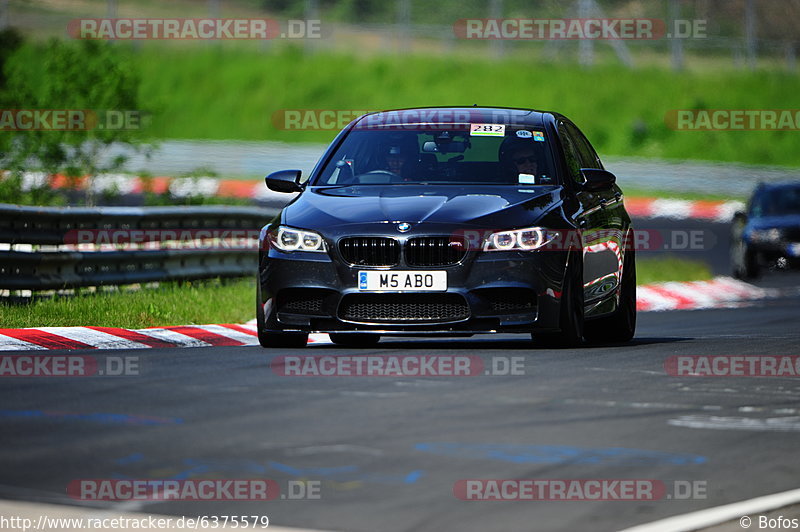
[[508, 291], [784, 253]]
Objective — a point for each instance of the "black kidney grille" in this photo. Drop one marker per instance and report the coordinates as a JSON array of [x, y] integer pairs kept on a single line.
[[405, 308], [435, 251], [792, 234], [370, 251]]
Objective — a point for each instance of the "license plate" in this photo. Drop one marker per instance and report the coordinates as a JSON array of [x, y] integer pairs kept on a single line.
[[401, 281], [793, 250]]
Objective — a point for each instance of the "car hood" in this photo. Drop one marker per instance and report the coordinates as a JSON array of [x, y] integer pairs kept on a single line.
[[319, 207], [781, 222]]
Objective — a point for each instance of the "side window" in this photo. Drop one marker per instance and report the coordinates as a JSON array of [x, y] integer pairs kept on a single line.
[[588, 156], [570, 154]]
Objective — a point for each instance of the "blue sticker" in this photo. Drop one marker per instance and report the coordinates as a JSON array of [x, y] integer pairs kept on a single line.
[[524, 134], [362, 280], [538, 136]]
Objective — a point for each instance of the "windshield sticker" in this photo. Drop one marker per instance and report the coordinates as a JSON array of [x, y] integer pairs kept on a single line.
[[527, 179], [524, 134], [487, 130], [538, 136]]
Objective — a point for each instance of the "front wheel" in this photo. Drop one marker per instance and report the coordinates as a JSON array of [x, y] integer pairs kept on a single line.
[[743, 260], [621, 325], [275, 339], [570, 313]]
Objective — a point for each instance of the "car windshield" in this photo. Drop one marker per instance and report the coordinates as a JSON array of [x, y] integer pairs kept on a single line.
[[778, 202], [450, 154]]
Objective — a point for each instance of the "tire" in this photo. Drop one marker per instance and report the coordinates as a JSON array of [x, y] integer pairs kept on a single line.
[[621, 325], [743, 260], [355, 339], [570, 318], [275, 339]]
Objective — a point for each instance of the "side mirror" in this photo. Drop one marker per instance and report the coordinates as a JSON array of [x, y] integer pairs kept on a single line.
[[284, 181], [597, 179]]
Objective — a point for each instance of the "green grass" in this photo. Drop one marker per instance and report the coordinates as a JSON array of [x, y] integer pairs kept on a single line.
[[671, 268], [170, 304], [633, 192], [221, 302], [230, 93]]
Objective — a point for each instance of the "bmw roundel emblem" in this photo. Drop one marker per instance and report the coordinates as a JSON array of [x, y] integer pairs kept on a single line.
[[403, 227]]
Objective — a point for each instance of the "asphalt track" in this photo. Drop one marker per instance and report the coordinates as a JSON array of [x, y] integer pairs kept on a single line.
[[386, 452]]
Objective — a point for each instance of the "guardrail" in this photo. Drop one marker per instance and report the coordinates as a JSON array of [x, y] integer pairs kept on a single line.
[[51, 248]]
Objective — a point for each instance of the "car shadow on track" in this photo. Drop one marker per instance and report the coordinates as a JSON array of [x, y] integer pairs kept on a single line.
[[521, 344]]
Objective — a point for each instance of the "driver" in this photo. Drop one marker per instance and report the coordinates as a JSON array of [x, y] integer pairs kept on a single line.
[[397, 159], [519, 156], [401, 160]]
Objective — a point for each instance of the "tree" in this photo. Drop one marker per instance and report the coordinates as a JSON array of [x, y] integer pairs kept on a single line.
[[94, 78]]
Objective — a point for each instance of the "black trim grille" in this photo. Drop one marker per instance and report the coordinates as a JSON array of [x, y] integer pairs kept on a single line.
[[302, 301], [405, 308], [435, 251], [509, 300], [370, 251]]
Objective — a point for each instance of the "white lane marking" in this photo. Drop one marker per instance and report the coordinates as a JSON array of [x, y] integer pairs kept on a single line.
[[690, 291], [770, 424], [720, 292], [340, 448], [246, 339], [726, 210], [262, 193], [630, 404], [649, 299], [98, 339], [671, 208], [8, 343], [194, 186], [720, 514], [319, 338], [173, 337], [119, 183], [379, 395]]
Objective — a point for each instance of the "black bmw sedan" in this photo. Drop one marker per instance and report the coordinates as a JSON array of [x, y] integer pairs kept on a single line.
[[450, 221], [767, 235]]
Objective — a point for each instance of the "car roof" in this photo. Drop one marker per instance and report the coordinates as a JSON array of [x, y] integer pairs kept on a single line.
[[459, 115]]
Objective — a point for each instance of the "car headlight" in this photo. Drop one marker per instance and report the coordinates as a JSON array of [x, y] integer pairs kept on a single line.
[[765, 235], [526, 239], [289, 239]]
